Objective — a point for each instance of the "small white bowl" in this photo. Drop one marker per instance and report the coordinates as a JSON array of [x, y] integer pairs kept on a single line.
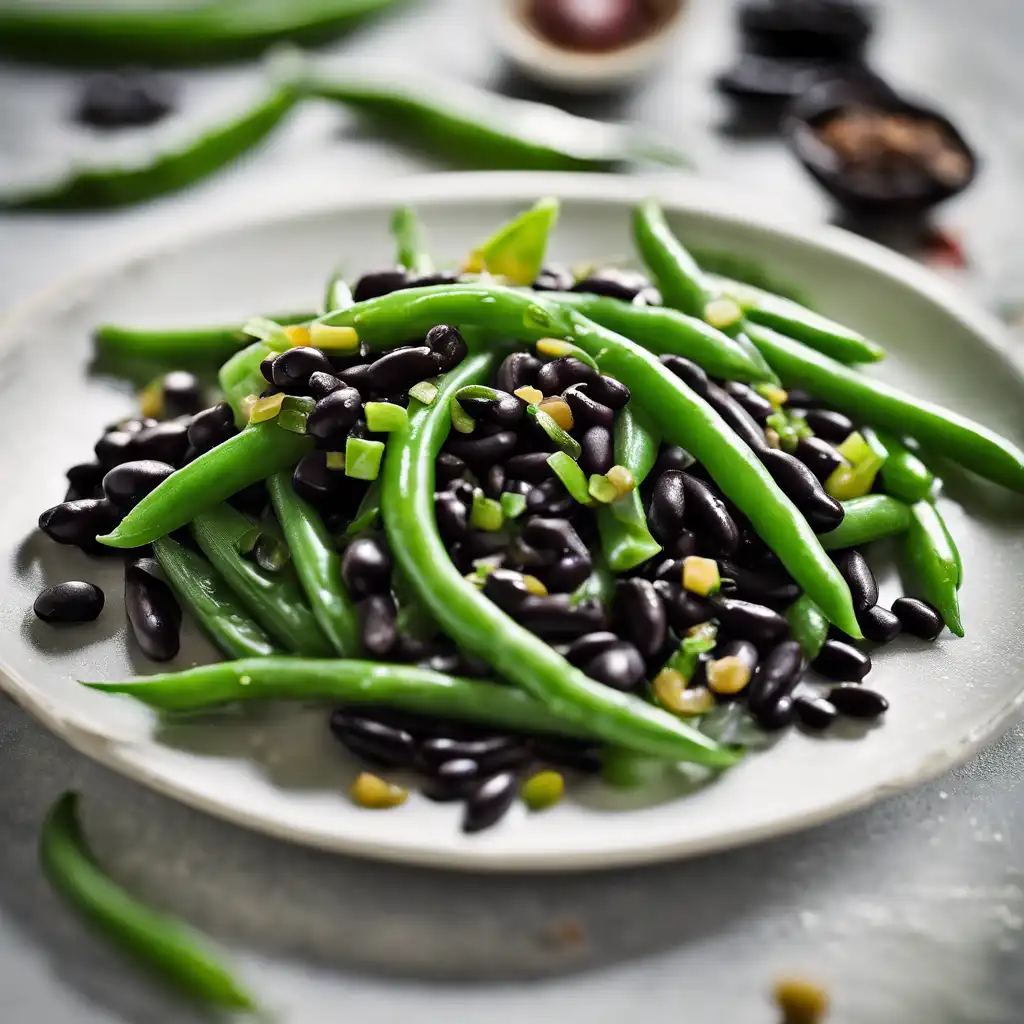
[[575, 71]]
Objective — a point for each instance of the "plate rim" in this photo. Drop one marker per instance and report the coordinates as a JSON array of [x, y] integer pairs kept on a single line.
[[692, 194]]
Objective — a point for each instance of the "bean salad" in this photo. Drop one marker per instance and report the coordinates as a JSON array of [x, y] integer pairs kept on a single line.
[[513, 523]]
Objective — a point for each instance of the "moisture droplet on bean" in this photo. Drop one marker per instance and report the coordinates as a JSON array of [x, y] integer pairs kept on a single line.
[[73, 601], [838, 660], [857, 701], [918, 617]]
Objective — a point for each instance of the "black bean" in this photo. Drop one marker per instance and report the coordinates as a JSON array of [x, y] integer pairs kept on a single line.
[[550, 498], [211, 427], [113, 448], [72, 601], [313, 481], [522, 487], [553, 277], [803, 400], [129, 98], [494, 482], [183, 394], [86, 478], [448, 344], [859, 577], [803, 488], [482, 450], [709, 516], [879, 625], [588, 647], [762, 586], [251, 500], [639, 614], [918, 618], [554, 535], [503, 411], [453, 780], [459, 663], [748, 621], [379, 282], [399, 369], [619, 666], [433, 279], [758, 407], [609, 391], [598, 453], [586, 411], [489, 802], [384, 744], [377, 622], [334, 415], [743, 424], [778, 715], [754, 553], [321, 384], [79, 522], [818, 456], [516, 371], [366, 567], [506, 588], [614, 282], [828, 424], [855, 701], [668, 504], [566, 574], [357, 377], [448, 467], [163, 442], [134, 424], [776, 676], [838, 660], [532, 466], [671, 456], [668, 569], [126, 485], [682, 608], [489, 752], [554, 377], [692, 375], [581, 755], [553, 618], [153, 612], [292, 369], [814, 713]]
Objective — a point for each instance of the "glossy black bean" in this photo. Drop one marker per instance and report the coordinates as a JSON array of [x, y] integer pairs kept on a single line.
[[609, 391], [358, 377], [522, 487], [776, 677], [829, 424], [598, 452], [163, 442], [742, 423], [814, 713], [639, 614], [671, 456], [366, 567], [797, 398], [682, 608], [463, 490], [517, 370], [379, 282], [667, 569], [879, 625], [211, 427], [743, 650], [917, 617], [532, 466], [566, 574], [448, 344], [668, 505], [483, 544], [491, 753], [841, 661], [479, 451], [563, 751], [620, 666], [504, 411], [818, 456], [126, 485], [506, 588], [553, 277], [859, 578], [113, 448], [334, 415], [86, 478], [448, 467], [745, 620], [251, 500], [79, 522], [182, 393], [708, 515], [853, 701], [777, 715], [489, 802], [550, 498], [554, 618], [153, 612], [383, 744], [614, 282], [399, 369], [554, 377], [313, 481], [758, 407], [377, 624], [588, 647], [554, 534], [72, 601], [804, 489], [586, 411], [754, 553], [267, 367], [292, 369], [772, 587], [692, 375], [494, 482], [322, 384], [453, 780]]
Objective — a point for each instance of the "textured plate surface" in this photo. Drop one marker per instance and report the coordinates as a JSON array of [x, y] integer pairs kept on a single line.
[[275, 769]]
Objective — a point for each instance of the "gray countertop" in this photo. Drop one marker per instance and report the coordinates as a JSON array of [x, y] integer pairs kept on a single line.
[[911, 911]]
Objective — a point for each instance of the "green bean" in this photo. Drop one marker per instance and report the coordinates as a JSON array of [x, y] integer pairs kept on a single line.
[[934, 562], [166, 172], [274, 600], [866, 519], [337, 294], [477, 625], [795, 321], [625, 539], [212, 603], [368, 513], [721, 263], [164, 945], [250, 456], [679, 279], [406, 687], [317, 563], [904, 475], [808, 626], [598, 586], [975, 447], [241, 375], [411, 240]]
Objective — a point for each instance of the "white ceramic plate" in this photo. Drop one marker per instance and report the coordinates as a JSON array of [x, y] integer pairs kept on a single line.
[[276, 769]]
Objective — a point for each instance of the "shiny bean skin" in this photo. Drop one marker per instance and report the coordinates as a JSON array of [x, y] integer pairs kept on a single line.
[[609, 391], [211, 427], [399, 369], [86, 478], [621, 667], [853, 701], [588, 647], [550, 498], [321, 384], [153, 612], [163, 442], [377, 625], [597, 455], [291, 370], [692, 375], [554, 377], [71, 601], [667, 569], [517, 370], [366, 567], [818, 456], [803, 488], [777, 716], [776, 677], [334, 415], [491, 753], [743, 424], [489, 802], [565, 575], [79, 522], [533, 466], [113, 448], [126, 485], [554, 534], [671, 456], [762, 586], [358, 377], [709, 516], [744, 620], [879, 625], [668, 505], [507, 589], [613, 282], [814, 713], [587, 411], [453, 780], [758, 407], [448, 344], [918, 617], [374, 740], [829, 425], [640, 615], [859, 578], [379, 282], [682, 609], [743, 650], [553, 618], [842, 662], [580, 755], [448, 467], [482, 451]]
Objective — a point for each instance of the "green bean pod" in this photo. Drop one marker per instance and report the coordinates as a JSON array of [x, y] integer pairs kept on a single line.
[[211, 601], [934, 562], [254, 454], [975, 447], [808, 626], [598, 586], [866, 519], [410, 241], [241, 375], [904, 475], [275, 600], [318, 565], [405, 687], [337, 294], [679, 279], [625, 539], [175, 953], [477, 625]]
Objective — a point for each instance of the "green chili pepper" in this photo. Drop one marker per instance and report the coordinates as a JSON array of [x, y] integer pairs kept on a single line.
[[166, 172], [976, 447], [166, 946], [482, 129], [411, 241], [934, 562], [252, 455], [317, 564], [477, 625], [808, 626], [211, 601], [516, 250], [866, 519], [795, 321], [684, 418], [181, 34], [679, 279], [274, 600], [666, 331], [904, 475], [625, 539], [516, 315], [598, 586]]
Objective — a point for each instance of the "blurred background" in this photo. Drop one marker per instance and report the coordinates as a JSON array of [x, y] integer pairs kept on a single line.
[[899, 120]]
